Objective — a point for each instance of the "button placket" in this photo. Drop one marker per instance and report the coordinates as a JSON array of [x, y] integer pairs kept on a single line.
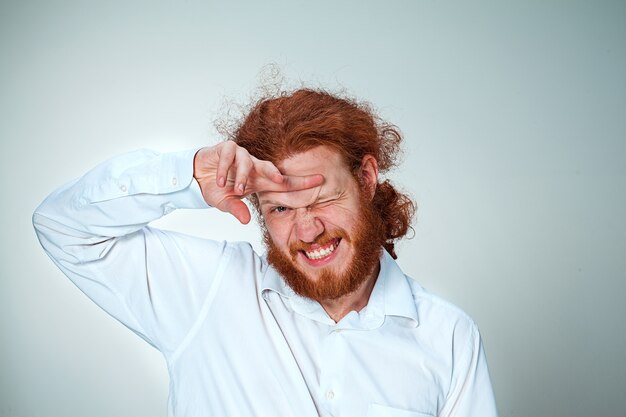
[[330, 395], [331, 369]]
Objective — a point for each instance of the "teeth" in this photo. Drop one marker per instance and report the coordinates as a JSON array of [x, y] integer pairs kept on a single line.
[[321, 253]]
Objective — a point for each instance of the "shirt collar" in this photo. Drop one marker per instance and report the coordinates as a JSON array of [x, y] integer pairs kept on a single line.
[[391, 296], [398, 294]]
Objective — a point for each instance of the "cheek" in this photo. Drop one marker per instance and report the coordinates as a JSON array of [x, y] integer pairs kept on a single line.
[[279, 231], [340, 218]]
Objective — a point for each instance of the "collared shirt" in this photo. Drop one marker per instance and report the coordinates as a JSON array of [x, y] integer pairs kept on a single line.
[[237, 340]]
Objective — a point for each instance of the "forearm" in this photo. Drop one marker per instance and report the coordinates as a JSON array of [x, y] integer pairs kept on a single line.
[[124, 193], [94, 229], [116, 198]]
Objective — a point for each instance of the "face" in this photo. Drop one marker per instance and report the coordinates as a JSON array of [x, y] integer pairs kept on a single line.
[[325, 241]]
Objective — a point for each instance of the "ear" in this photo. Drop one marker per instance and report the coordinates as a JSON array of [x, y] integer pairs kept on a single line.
[[368, 174]]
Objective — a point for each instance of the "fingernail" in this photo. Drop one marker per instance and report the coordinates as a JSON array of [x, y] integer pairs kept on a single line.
[[240, 188], [221, 181]]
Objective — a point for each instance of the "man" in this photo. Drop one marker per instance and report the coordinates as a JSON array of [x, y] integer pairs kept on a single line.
[[326, 324]]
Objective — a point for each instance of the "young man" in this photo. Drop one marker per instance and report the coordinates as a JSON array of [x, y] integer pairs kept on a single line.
[[326, 324]]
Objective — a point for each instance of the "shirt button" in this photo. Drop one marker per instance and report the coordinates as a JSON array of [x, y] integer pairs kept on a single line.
[[123, 188], [174, 181], [330, 394]]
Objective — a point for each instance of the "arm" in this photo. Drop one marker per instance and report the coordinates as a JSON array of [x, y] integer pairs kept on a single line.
[[470, 391], [96, 230]]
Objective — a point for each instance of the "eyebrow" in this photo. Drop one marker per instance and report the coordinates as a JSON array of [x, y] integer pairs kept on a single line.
[[319, 198], [272, 202]]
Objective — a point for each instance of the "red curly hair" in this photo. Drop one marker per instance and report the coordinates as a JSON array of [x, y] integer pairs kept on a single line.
[[277, 128]]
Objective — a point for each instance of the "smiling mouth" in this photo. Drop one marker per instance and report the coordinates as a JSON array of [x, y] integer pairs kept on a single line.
[[322, 252]]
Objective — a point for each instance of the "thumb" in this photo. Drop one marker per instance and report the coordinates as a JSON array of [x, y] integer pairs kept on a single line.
[[237, 208]]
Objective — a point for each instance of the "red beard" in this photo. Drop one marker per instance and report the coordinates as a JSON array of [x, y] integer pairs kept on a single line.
[[367, 240]]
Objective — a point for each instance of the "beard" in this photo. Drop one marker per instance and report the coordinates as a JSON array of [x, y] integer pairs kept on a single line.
[[366, 239]]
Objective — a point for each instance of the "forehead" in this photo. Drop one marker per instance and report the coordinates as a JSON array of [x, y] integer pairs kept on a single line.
[[319, 160]]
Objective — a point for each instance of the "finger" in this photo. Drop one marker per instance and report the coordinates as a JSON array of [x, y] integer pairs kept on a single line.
[[295, 183], [237, 208], [268, 170], [244, 166], [226, 155]]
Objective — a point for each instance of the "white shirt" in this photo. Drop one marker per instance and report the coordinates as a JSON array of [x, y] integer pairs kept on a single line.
[[237, 340]]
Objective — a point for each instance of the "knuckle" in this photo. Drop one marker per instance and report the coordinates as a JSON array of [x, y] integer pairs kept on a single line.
[[229, 148], [243, 153], [269, 168], [269, 165], [248, 163]]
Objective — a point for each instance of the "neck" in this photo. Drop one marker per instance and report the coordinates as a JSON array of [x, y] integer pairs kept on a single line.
[[338, 308]]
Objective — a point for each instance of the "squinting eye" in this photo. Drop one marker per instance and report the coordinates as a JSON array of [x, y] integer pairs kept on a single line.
[[279, 209]]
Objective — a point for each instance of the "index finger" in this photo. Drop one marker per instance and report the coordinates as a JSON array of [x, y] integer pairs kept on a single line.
[[297, 182]]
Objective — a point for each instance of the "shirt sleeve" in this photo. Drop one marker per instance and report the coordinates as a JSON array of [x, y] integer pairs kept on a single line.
[[470, 394], [96, 231]]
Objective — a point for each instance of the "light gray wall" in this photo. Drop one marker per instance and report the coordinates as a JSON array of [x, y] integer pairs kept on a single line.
[[514, 115]]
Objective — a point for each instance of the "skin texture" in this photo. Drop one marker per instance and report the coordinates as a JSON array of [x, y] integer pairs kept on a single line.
[[278, 126], [226, 173], [305, 211], [336, 214]]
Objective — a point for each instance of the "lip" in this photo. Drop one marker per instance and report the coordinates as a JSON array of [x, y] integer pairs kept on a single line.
[[323, 261]]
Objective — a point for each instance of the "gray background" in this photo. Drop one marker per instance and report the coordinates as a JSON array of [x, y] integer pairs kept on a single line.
[[514, 115]]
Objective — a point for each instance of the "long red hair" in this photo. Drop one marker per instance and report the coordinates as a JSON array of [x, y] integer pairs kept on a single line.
[[278, 127]]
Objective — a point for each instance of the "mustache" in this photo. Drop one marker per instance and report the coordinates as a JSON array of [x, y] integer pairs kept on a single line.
[[322, 240]]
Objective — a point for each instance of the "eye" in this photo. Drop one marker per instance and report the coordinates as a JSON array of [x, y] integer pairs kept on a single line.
[[322, 204], [279, 209]]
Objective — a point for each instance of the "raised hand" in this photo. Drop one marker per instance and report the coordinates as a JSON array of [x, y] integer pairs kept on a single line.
[[227, 172]]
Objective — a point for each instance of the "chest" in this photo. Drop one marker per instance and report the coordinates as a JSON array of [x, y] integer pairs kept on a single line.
[[259, 357]]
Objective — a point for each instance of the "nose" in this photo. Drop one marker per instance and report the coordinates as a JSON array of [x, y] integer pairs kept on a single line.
[[308, 226]]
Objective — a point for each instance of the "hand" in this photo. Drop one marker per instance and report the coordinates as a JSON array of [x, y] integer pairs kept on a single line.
[[227, 172]]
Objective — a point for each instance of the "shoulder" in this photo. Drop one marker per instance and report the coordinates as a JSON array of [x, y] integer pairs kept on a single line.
[[434, 312], [243, 254], [242, 267], [201, 249], [198, 262]]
